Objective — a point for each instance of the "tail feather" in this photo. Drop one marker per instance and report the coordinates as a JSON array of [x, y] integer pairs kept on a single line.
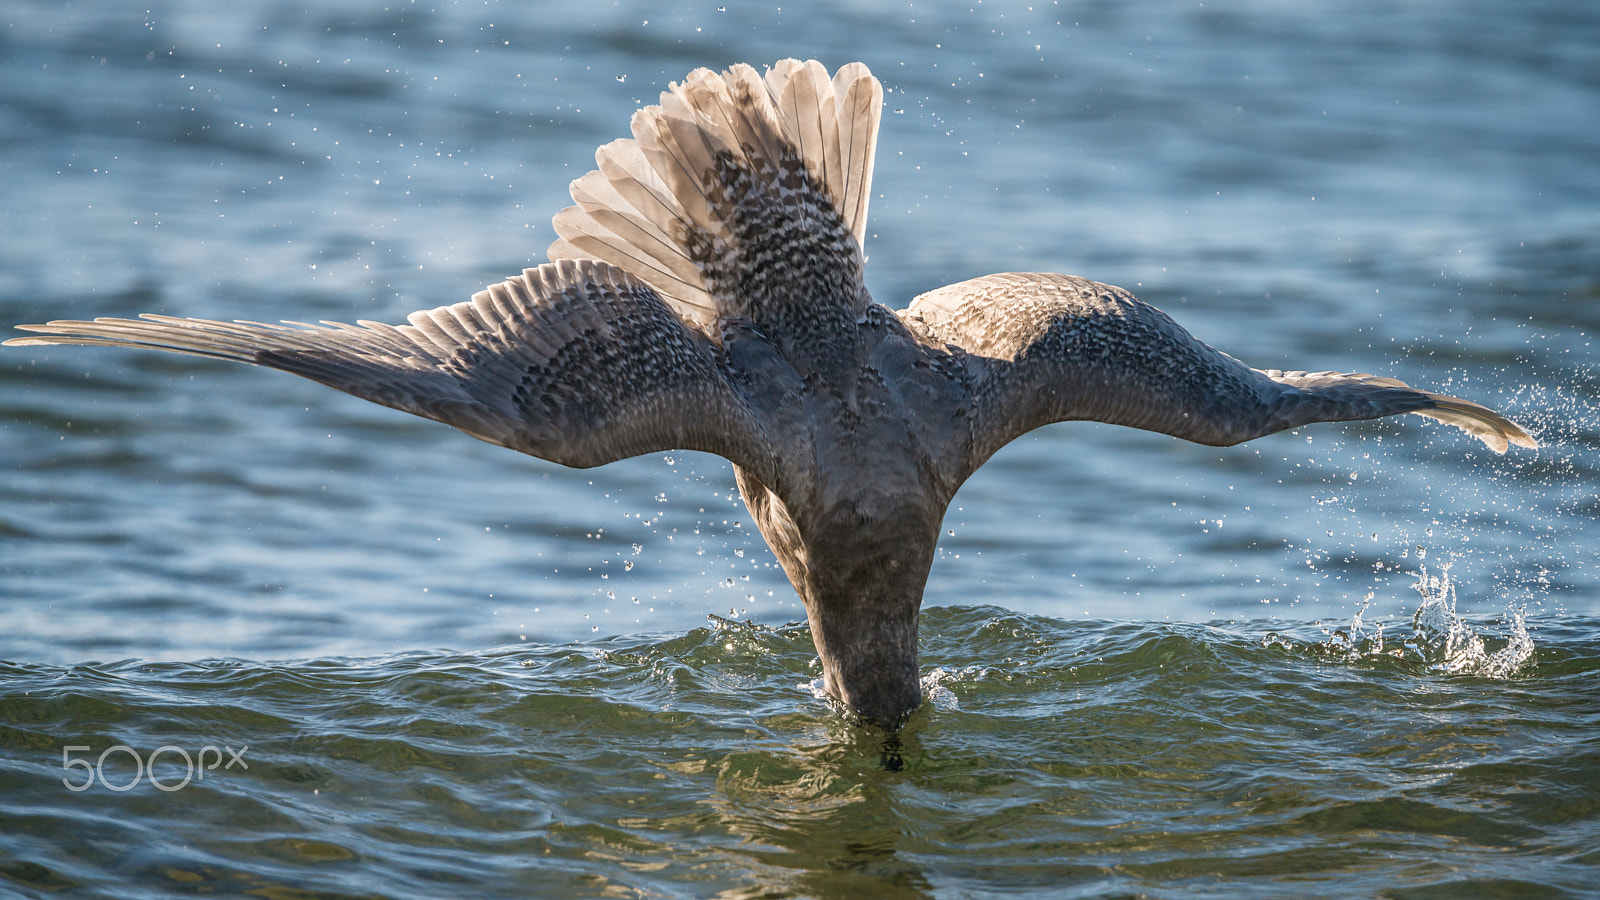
[[683, 146], [860, 100], [751, 113], [807, 105], [626, 207], [718, 154]]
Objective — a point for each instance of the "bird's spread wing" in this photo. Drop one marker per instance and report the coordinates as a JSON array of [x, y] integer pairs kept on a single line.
[[575, 362], [1048, 348]]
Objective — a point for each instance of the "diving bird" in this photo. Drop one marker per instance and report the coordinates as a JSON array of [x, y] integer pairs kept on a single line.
[[705, 293]]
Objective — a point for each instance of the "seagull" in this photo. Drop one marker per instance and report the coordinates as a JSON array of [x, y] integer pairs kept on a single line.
[[705, 293]]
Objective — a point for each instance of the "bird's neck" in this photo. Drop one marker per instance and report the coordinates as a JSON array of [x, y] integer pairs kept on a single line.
[[859, 565]]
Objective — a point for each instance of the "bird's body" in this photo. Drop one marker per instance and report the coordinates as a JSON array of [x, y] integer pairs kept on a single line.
[[706, 294]]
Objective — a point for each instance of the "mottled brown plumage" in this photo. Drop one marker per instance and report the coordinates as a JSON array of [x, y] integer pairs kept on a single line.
[[706, 293]]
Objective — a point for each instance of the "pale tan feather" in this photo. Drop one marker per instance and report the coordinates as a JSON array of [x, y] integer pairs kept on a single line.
[[860, 101], [722, 153]]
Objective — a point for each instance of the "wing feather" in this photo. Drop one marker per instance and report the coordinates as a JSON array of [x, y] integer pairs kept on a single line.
[[1050, 348], [575, 362]]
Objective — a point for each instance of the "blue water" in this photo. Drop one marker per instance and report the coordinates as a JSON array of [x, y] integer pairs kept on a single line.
[[1153, 667]]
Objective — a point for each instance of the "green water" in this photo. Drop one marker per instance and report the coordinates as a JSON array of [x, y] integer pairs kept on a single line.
[[1081, 759]]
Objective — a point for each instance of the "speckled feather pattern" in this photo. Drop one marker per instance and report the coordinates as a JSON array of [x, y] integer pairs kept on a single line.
[[575, 362], [1058, 348], [706, 293]]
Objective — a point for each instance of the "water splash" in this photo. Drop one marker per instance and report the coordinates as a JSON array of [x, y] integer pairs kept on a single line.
[[818, 688], [936, 682], [1441, 639], [1444, 641], [1356, 641]]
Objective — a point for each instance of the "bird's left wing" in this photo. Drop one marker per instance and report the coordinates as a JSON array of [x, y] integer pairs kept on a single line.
[[1048, 348], [575, 362]]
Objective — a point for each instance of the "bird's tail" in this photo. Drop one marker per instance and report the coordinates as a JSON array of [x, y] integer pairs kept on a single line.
[[1359, 395], [737, 195]]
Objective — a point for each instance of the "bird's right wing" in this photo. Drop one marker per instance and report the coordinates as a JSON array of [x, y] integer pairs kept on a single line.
[[575, 362], [1049, 348]]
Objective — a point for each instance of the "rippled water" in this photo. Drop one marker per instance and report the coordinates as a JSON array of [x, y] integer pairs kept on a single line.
[[1153, 668], [1082, 759]]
